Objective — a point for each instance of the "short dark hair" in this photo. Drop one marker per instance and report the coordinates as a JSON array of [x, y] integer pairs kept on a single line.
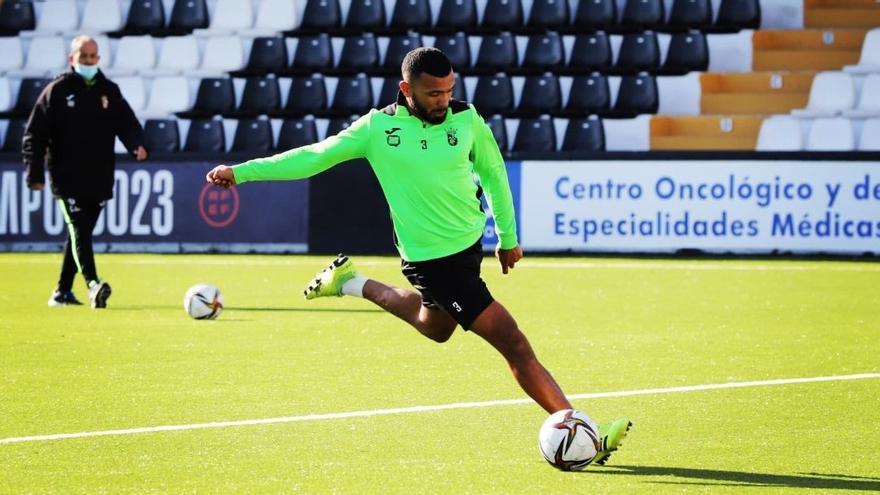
[[425, 60]]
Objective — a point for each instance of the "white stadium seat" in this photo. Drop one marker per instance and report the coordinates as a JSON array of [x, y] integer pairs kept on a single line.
[[869, 100], [831, 134], [869, 60], [831, 93], [134, 54], [101, 16], [6, 101], [11, 57], [780, 133], [273, 16], [133, 90], [229, 17], [178, 55], [869, 140], [55, 17], [168, 95], [222, 54], [46, 57]]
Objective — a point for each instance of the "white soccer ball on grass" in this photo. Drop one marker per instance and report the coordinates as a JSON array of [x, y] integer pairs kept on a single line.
[[569, 440], [203, 302]]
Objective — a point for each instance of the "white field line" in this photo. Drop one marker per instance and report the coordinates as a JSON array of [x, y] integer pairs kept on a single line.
[[440, 407], [739, 265]]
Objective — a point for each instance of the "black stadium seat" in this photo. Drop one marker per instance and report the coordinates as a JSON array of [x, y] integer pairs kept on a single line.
[[411, 14], [591, 52], [187, 15], [584, 135], [339, 124], [457, 15], [499, 130], [544, 52], [398, 47], [637, 95], [589, 94], [493, 94], [161, 136], [28, 92], [502, 15], [359, 53], [457, 48], [354, 95], [687, 52], [497, 53], [540, 95], [321, 15], [215, 96], [313, 54], [734, 15], [549, 14], [366, 15], [535, 134], [295, 133], [642, 14], [14, 135], [268, 56], [690, 14], [638, 52], [307, 95], [261, 96], [15, 16], [598, 15], [206, 136], [253, 135], [145, 17]]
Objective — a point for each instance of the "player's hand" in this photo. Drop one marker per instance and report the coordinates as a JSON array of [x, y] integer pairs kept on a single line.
[[221, 176], [36, 186], [508, 257], [140, 153]]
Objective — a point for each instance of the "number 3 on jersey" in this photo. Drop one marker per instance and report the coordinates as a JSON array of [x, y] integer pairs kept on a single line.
[[424, 144]]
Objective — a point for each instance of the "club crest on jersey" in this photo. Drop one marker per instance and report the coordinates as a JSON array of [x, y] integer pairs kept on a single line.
[[392, 139], [451, 138], [71, 102], [105, 102]]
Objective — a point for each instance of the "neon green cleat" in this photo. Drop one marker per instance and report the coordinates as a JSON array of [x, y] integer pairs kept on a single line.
[[328, 282], [612, 437]]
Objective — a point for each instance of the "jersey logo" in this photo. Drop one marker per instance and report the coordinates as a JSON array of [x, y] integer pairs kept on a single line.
[[105, 102], [451, 138], [456, 306], [392, 139], [71, 102]]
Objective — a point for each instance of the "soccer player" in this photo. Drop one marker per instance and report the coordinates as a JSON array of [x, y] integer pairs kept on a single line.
[[72, 130], [425, 149]]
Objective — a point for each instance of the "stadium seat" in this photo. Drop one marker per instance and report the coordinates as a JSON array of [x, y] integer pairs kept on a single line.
[[535, 134], [46, 57], [359, 53], [222, 54], [548, 14], [457, 49], [14, 135], [321, 15], [307, 95], [366, 15], [596, 14], [134, 54], [497, 53], [101, 16], [169, 95], [187, 15], [15, 16], [253, 135], [735, 15], [502, 15], [215, 96], [831, 134], [57, 17], [134, 91], [642, 14], [690, 14], [869, 139], [588, 95], [398, 47], [268, 56], [457, 15], [591, 52], [229, 17], [584, 135], [638, 52], [104, 50], [11, 57], [459, 92], [177, 55], [544, 52], [145, 17], [161, 136], [636, 95], [273, 17], [499, 130], [353, 95], [29, 90], [295, 133], [388, 93], [869, 99], [411, 14], [313, 54], [540, 95], [6, 102], [206, 136], [831, 93], [687, 52], [869, 59], [493, 94], [261, 96], [339, 124], [780, 133]]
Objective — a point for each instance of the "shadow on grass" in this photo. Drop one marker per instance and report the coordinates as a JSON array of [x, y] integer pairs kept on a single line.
[[689, 476]]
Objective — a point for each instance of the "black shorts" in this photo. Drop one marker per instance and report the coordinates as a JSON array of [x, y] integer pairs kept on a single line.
[[452, 283]]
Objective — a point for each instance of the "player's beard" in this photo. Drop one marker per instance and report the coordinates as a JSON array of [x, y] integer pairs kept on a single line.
[[424, 114]]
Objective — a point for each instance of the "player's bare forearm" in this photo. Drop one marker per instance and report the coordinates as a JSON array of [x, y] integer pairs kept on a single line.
[[508, 257], [221, 176]]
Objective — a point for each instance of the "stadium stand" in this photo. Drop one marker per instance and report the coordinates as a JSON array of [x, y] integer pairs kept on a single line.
[[705, 132], [780, 133], [841, 13], [831, 134], [832, 92]]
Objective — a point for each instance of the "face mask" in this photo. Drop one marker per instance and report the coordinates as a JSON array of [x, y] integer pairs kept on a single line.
[[88, 72]]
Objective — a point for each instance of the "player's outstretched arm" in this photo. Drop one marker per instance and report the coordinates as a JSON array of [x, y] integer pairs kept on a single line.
[[222, 176], [508, 257]]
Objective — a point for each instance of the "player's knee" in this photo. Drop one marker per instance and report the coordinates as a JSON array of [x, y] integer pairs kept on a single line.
[[440, 333]]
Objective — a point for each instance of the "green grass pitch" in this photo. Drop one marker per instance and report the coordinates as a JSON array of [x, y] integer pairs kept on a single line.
[[599, 325]]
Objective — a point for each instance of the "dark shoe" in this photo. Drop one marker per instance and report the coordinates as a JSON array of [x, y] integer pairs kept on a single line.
[[65, 298]]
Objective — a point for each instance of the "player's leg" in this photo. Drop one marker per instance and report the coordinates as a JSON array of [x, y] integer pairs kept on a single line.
[[432, 322], [63, 293], [496, 325]]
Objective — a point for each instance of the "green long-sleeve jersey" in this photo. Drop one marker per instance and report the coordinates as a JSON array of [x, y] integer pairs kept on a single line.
[[426, 173]]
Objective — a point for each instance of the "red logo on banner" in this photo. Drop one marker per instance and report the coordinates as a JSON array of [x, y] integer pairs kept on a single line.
[[218, 206]]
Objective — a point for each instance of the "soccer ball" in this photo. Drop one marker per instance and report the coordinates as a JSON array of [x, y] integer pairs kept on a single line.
[[203, 302], [569, 440]]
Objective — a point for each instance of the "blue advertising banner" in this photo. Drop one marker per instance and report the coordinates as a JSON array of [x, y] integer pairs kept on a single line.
[[163, 207], [490, 238]]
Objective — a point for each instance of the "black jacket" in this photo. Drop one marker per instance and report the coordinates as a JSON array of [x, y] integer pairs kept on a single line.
[[73, 129]]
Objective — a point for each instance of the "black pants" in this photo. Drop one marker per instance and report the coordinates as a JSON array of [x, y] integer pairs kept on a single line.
[[80, 218]]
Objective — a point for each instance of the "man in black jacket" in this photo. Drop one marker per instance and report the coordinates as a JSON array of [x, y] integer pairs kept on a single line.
[[72, 130]]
